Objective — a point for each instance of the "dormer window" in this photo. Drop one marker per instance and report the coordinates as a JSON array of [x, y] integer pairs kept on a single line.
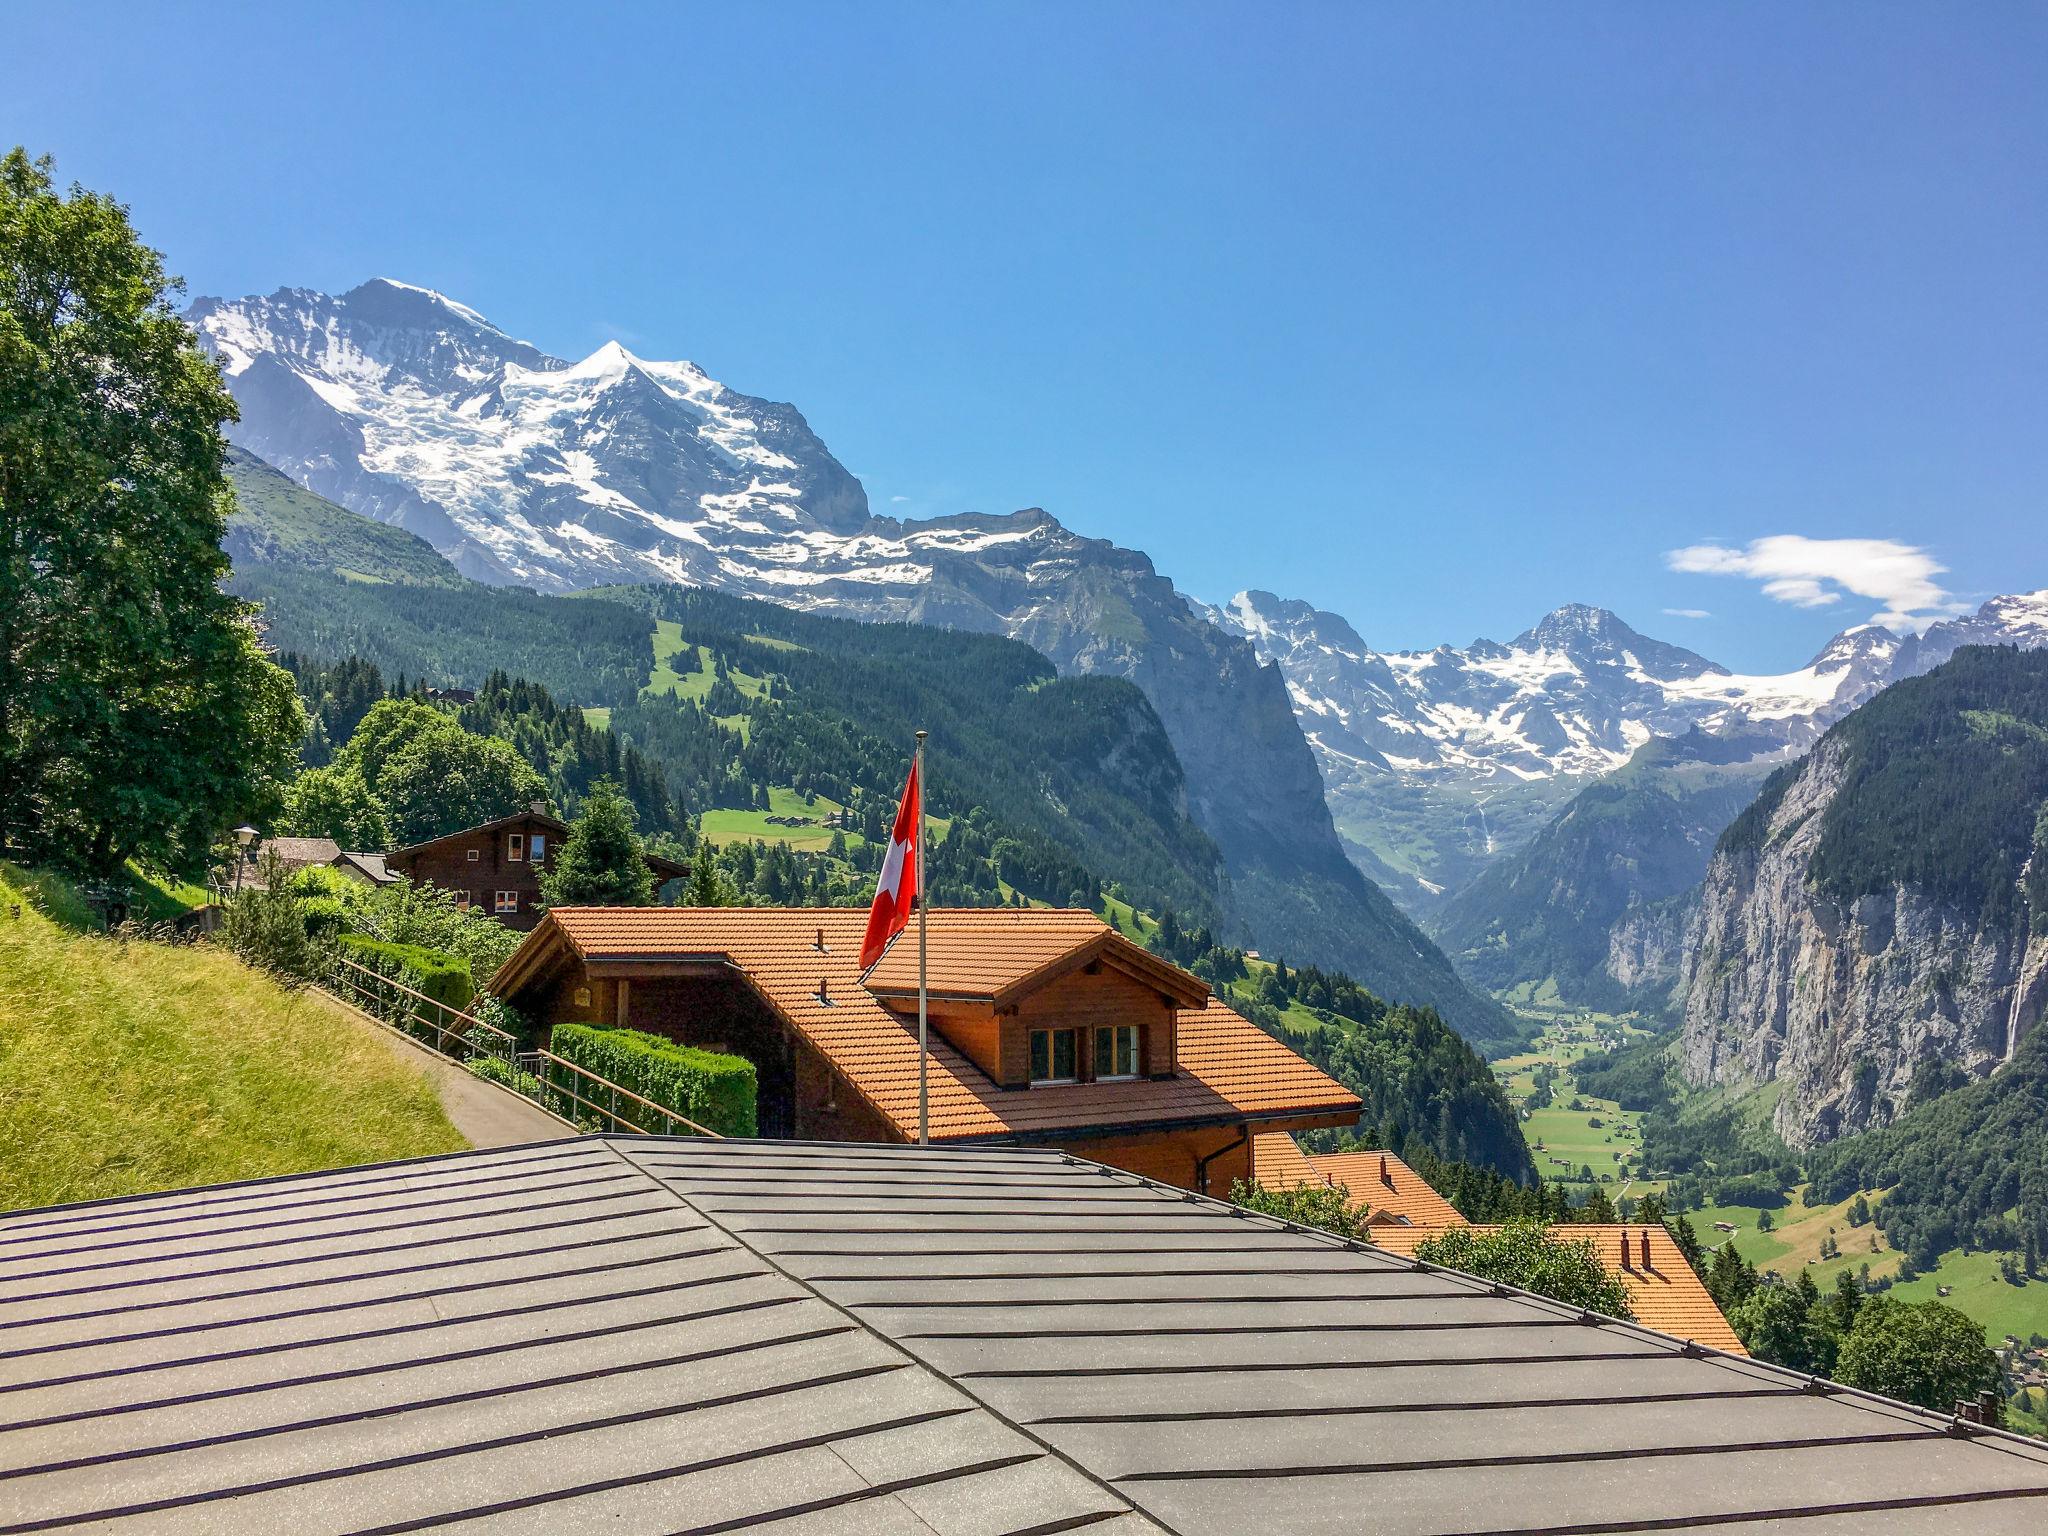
[[1053, 1057], [515, 848], [1116, 1052]]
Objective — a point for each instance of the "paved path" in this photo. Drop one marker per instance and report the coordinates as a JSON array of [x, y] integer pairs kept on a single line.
[[487, 1114]]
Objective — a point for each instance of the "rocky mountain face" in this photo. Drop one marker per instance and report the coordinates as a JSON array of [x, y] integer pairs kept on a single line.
[[522, 468], [1881, 911], [1440, 762]]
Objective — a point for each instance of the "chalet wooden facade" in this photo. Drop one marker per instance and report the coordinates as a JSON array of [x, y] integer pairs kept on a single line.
[[496, 867], [1048, 1028]]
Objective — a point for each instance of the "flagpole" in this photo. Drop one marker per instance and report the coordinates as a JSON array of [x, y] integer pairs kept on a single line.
[[924, 1102]]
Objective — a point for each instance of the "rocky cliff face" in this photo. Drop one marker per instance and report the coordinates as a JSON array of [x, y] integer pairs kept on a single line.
[[1839, 1001], [1646, 945]]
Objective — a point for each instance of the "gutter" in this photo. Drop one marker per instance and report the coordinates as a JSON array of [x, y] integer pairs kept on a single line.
[[1202, 1163]]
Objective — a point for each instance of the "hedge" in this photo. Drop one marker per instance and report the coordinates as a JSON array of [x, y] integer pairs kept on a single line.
[[718, 1092], [439, 975]]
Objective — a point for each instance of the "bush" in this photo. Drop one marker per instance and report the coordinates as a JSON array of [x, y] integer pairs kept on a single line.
[[495, 1069], [1925, 1353], [443, 977], [1523, 1254], [265, 926], [718, 1092]]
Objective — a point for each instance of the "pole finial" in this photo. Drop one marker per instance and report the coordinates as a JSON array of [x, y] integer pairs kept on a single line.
[[922, 733]]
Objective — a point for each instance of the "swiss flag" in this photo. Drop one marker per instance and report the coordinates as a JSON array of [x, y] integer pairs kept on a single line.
[[897, 889]]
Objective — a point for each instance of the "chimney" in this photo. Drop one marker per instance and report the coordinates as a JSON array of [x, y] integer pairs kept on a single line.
[[1384, 1176], [1625, 1250], [538, 807], [819, 942], [824, 992], [1646, 1249]]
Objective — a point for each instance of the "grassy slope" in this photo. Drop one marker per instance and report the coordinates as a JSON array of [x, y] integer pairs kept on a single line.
[[278, 522], [127, 1067]]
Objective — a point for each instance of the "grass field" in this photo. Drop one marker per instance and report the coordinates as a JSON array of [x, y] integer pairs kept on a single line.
[[685, 671], [132, 1066], [1976, 1287], [721, 827], [599, 715], [1564, 1139]]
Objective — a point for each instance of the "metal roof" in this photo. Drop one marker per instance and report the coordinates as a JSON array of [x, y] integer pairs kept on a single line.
[[641, 1336]]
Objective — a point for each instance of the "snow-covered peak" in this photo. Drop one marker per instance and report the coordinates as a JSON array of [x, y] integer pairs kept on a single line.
[[377, 287]]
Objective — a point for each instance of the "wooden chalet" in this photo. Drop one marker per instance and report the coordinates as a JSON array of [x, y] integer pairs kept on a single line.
[[1047, 1027], [1403, 1212], [496, 867]]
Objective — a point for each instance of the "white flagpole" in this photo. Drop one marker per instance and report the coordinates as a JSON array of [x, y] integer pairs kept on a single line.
[[924, 1102]]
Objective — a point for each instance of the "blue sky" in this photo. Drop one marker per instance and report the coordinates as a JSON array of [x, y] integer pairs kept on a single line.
[[1434, 315]]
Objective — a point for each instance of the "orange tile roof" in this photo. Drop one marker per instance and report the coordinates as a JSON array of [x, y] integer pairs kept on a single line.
[[1387, 1188], [997, 953], [1379, 1183], [1229, 1068], [1279, 1163], [1665, 1293]]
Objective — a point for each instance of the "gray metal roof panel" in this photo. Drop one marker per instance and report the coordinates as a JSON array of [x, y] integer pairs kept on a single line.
[[653, 1336]]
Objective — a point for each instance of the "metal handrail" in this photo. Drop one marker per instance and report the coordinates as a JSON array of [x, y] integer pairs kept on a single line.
[[503, 1043], [496, 1044], [549, 1061]]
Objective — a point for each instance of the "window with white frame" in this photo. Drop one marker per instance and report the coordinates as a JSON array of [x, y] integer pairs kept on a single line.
[[515, 847], [508, 901], [537, 848], [475, 854], [1054, 1058], [1116, 1052]]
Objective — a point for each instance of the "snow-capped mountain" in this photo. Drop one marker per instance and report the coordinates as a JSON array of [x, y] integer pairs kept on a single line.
[[410, 408], [1438, 761]]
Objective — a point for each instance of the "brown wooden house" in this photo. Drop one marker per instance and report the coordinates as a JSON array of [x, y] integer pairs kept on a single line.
[[496, 868], [1047, 1028]]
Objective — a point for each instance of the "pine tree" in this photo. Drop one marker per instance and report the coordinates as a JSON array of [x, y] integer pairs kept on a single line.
[[603, 864]]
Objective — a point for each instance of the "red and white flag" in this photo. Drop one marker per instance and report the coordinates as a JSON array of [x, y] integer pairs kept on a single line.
[[897, 888]]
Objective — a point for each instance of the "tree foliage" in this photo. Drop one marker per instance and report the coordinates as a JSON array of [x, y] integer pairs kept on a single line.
[[137, 715], [1924, 1353], [1533, 1258], [603, 863]]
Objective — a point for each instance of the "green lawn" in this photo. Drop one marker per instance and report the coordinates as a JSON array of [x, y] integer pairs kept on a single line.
[[599, 716], [1565, 1134], [132, 1066], [748, 826], [1976, 1288]]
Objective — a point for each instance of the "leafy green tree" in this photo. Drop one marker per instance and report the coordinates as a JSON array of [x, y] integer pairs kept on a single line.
[[1524, 1254], [1782, 1323], [137, 716], [335, 802], [1924, 1353], [1765, 1221], [428, 776], [446, 780], [603, 864]]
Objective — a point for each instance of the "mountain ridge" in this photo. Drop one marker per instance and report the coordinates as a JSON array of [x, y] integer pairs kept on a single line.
[[530, 470]]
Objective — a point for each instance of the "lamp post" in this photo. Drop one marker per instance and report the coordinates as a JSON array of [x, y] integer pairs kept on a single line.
[[244, 836]]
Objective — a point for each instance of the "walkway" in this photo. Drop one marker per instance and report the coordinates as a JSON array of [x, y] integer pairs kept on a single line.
[[487, 1114]]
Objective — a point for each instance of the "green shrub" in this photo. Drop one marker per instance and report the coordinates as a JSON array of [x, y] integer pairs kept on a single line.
[[495, 1069], [443, 977], [718, 1092]]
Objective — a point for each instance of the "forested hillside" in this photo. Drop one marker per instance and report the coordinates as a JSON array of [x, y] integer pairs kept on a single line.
[[278, 522]]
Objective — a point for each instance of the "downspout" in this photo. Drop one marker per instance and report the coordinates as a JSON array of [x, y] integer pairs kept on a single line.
[[1202, 1163]]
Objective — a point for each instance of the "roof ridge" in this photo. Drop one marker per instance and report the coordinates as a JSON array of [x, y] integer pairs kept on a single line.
[[773, 1263]]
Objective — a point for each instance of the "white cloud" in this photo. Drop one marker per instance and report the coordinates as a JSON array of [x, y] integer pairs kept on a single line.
[[899, 499], [1815, 573], [1688, 613]]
